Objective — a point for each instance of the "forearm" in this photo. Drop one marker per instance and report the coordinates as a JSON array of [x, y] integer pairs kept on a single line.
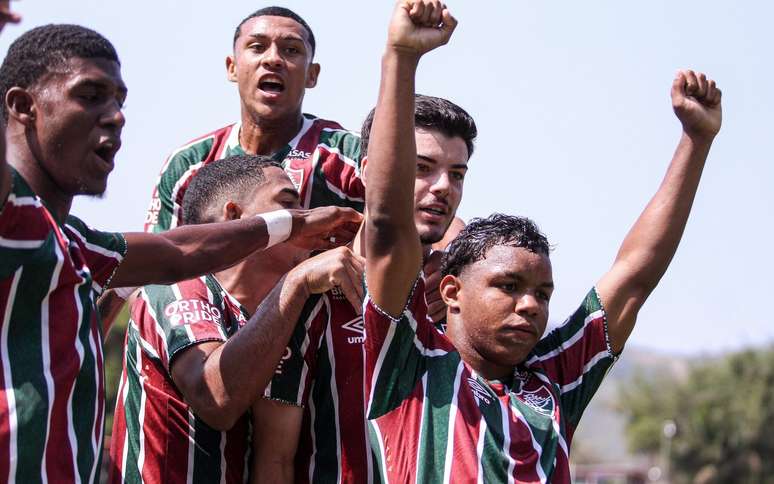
[[392, 153], [236, 373], [188, 251], [651, 243]]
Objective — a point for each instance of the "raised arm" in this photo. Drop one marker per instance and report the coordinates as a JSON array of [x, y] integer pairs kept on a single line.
[[394, 252], [192, 250], [220, 381], [650, 244]]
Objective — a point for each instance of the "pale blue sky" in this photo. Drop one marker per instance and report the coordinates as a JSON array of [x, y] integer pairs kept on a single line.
[[572, 104]]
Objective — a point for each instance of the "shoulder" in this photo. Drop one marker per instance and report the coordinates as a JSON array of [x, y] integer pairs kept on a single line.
[[202, 147], [112, 244]]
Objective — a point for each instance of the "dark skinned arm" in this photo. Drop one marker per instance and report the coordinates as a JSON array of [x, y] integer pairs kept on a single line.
[[193, 250], [651, 243]]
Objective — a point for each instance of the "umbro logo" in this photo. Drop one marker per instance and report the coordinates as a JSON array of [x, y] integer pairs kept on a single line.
[[355, 326], [479, 392]]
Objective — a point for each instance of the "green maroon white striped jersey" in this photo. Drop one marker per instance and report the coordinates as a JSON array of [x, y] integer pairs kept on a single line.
[[322, 161], [156, 436], [322, 370], [433, 419], [52, 387]]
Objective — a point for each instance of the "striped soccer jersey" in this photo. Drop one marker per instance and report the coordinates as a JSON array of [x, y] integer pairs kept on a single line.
[[156, 436], [52, 388], [432, 418], [323, 371], [322, 161]]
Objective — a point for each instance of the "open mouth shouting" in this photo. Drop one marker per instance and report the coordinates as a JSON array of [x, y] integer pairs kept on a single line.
[[271, 85], [434, 212], [106, 150]]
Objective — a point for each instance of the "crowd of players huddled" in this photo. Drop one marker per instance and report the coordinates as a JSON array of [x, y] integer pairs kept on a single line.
[[304, 304]]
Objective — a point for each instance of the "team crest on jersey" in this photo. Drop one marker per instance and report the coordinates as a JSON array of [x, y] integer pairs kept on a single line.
[[540, 400], [355, 326], [296, 176]]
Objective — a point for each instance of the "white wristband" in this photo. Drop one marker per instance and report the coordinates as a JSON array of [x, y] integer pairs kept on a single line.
[[279, 224]]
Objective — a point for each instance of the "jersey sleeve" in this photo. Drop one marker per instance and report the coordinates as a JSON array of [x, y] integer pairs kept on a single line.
[[294, 374], [576, 356], [165, 210], [25, 227], [397, 350], [104, 251], [181, 315], [338, 164]]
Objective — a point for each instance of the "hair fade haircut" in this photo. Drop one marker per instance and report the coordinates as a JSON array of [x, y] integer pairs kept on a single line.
[[481, 234], [278, 12], [42, 49], [432, 113], [230, 178]]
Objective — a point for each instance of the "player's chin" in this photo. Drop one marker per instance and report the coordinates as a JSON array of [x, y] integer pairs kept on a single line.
[[430, 233]]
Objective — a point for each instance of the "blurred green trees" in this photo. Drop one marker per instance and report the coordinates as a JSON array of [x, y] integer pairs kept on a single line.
[[724, 413]]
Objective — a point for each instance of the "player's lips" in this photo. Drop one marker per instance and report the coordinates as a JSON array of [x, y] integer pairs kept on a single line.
[[523, 328], [434, 211], [271, 84], [106, 150]]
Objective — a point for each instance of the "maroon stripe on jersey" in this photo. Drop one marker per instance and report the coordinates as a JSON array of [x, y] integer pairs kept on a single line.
[[148, 329], [522, 449], [400, 457], [26, 222], [118, 436], [200, 328], [562, 468], [101, 266], [566, 366], [96, 340], [464, 467], [340, 174], [64, 364]]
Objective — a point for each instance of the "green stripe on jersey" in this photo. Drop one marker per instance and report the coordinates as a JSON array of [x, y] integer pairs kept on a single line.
[[346, 142], [206, 467], [326, 432], [493, 460], [435, 421], [132, 405]]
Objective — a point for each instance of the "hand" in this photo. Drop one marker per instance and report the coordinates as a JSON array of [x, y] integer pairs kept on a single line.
[[338, 267], [6, 16], [324, 227], [419, 26], [436, 308], [696, 102]]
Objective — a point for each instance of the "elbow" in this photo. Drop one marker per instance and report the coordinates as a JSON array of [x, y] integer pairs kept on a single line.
[[218, 415], [383, 232]]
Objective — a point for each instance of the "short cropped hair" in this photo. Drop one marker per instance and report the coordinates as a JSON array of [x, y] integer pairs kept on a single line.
[[481, 234], [432, 113], [42, 49], [230, 178], [278, 12]]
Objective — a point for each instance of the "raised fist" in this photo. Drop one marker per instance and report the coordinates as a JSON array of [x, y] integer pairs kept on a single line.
[[696, 102], [419, 26]]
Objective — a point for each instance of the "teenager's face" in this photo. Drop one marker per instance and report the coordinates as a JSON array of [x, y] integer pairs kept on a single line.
[[442, 162], [272, 65], [76, 129], [500, 303], [277, 193]]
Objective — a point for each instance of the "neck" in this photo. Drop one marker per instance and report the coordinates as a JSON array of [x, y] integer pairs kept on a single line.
[[21, 157], [267, 137], [471, 356], [250, 281]]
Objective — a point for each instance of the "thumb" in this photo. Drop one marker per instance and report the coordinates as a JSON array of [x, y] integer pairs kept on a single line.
[[678, 88]]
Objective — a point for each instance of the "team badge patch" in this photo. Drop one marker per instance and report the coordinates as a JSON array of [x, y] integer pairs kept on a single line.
[[540, 400], [296, 176]]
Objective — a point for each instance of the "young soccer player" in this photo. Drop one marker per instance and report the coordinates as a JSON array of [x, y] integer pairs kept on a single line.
[[489, 401]]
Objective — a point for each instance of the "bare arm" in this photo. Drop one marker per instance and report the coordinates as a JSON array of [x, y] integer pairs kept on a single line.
[[651, 243], [276, 428], [190, 251], [221, 380], [392, 243]]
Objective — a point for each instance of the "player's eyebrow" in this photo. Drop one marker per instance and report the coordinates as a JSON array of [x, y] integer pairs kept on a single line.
[[429, 159], [518, 277]]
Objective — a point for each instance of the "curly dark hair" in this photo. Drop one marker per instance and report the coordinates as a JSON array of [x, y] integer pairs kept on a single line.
[[216, 181], [481, 234], [278, 12], [44, 48], [433, 113]]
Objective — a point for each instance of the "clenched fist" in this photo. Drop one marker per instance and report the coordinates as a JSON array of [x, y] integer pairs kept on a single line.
[[696, 102], [419, 26]]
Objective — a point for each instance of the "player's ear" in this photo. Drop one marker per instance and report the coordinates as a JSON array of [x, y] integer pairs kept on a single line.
[[312, 74], [450, 290], [363, 165], [231, 68], [231, 211], [21, 105]]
